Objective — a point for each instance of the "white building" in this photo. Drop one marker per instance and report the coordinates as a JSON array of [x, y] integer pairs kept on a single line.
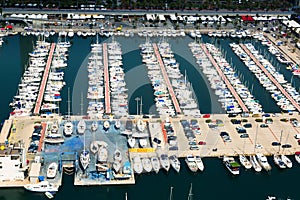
[[12, 162]]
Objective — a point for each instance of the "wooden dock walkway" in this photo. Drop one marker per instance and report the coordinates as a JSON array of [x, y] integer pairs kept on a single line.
[[41, 142], [230, 87], [275, 82], [40, 96], [106, 80], [167, 80]]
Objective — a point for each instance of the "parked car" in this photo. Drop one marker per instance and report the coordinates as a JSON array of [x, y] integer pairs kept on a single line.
[[264, 126]]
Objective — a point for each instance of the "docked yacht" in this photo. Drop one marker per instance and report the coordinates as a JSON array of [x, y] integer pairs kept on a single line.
[[278, 161], [244, 161], [81, 126], [43, 186], [175, 163], [131, 141], [231, 165], [52, 170], [94, 126], [117, 124], [68, 128], [140, 125], [297, 156], [286, 161], [143, 142], [190, 161], [85, 159], [106, 125], [199, 163], [147, 164], [155, 164], [137, 164], [256, 166], [164, 161], [263, 161]]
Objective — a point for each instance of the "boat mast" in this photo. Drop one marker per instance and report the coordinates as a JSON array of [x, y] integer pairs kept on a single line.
[[126, 196], [68, 102], [81, 105], [255, 138], [190, 197], [141, 106], [171, 193]]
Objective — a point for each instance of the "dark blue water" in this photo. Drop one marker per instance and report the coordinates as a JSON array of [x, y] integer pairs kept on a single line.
[[214, 183]]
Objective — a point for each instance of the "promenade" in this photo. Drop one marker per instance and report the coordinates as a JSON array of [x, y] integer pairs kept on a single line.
[[106, 80], [230, 87], [167, 80], [275, 82], [40, 96]]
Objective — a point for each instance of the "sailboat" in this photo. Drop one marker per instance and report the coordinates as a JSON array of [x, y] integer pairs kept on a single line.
[[81, 126], [190, 197], [84, 156], [68, 125]]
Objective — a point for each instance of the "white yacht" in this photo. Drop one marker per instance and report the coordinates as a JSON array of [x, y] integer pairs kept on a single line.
[[175, 163], [244, 161], [147, 164], [68, 128], [278, 161], [94, 126], [137, 164], [43, 186], [143, 142], [231, 165], [263, 161], [85, 159], [81, 126], [141, 125], [199, 163], [52, 170], [255, 164], [106, 125], [164, 161], [155, 164], [131, 141], [190, 161], [286, 161]]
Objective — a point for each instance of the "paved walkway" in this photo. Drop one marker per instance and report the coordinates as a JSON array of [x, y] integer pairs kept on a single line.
[[106, 80], [167, 80], [283, 91], [44, 81], [230, 87]]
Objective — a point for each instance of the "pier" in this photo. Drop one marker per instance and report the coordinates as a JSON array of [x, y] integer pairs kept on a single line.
[[167, 80], [275, 82], [106, 80], [40, 96], [221, 74]]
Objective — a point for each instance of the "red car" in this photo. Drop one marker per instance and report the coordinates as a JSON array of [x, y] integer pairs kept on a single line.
[[206, 116], [202, 143]]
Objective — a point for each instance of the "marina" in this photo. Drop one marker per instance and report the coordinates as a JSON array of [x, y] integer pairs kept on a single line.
[[97, 152]]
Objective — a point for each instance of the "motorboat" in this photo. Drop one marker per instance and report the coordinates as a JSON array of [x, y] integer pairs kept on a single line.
[[94, 147], [263, 161], [143, 142], [147, 164], [140, 125], [117, 124], [164, 161], [175, 163], [137, 164], [43, 186], [85, 159], [190, 161], [231, 165], [244, 161], [286, 161], [199, 162], [49, 195], [52, 170], [278, 161], [81, 126], [131, 142], [94, 126], [106, 125], [155, 164], [68, 128], [256, 166], [297, 156], [102, 154]]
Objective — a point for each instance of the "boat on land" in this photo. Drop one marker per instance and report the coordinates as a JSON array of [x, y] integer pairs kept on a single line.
[[190, 161], [43, 186], [52, 170], [81, 126], [231, 165], [155, 164], [244, 161], [199, 163]]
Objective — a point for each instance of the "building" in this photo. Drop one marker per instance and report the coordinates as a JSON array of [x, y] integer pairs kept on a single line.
[[12, 162]]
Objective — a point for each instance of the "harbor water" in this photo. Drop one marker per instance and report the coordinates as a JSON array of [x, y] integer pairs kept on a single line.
[[214, 183]]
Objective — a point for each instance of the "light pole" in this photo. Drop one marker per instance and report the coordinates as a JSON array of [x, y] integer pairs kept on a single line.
[[137, 105]]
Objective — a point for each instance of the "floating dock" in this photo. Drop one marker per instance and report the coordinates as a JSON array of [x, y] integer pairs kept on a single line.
[[106, 80], [40, 96], [167, 80], [221, 74], [275, 82]]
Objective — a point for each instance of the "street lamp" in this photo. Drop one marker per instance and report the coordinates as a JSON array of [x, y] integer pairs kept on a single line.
[[137, 105]]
